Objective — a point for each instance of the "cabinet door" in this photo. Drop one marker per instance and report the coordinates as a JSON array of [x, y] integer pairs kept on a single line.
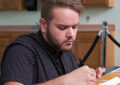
[[12, 4], [106, 3], [89, 2], [84, 42], [98, 3], [94, 60], [6, 38], [2, 4], [110, 59], [4, 41], [16, 34]]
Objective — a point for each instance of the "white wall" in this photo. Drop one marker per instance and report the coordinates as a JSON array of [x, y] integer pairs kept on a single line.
[[19, 17], [97, 16]]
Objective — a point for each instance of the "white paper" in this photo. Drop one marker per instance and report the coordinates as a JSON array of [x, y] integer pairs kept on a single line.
[[113, 81], [116, 71]]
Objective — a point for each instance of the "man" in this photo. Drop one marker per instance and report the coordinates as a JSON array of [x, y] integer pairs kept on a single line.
[[45, 58]]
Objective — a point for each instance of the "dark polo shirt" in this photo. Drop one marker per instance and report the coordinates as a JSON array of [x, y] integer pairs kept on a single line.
[[31, 60]]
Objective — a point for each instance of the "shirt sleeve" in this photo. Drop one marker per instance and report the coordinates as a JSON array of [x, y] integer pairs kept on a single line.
[[17, 65]]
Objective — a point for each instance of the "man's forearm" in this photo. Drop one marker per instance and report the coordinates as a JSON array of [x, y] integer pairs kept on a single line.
[[62, 80]]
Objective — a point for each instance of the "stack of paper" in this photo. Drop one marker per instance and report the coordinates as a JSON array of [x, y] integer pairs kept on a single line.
[[113, 81]]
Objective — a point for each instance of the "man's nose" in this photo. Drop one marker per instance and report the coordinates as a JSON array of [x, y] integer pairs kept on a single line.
[[70, 32]]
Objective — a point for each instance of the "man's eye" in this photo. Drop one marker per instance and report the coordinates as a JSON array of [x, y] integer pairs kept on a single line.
[[62, 27], [75, 27]]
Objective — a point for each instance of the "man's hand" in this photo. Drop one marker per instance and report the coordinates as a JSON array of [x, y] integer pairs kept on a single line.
[[99, 72], [82, 76]]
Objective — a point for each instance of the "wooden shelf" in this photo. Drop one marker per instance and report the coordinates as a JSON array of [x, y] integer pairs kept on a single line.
[[98, 3]]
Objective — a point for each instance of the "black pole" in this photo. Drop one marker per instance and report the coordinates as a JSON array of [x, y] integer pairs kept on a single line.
[[104, 28]]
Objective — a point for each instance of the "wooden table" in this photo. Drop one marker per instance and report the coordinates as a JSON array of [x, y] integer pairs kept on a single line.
[[115, 73]]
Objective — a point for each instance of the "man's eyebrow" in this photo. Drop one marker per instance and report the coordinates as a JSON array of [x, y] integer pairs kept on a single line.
[[62, 25], [76, 24], [67, 25]]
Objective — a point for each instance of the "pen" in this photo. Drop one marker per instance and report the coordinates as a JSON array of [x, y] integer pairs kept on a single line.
[[101, 80]]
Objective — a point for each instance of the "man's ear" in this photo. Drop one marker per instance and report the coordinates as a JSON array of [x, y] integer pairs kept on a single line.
[[43, 25]]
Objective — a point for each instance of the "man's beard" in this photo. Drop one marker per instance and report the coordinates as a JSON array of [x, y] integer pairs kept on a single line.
[[54, 42]]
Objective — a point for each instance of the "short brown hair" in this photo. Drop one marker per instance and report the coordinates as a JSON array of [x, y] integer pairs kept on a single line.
[[48, 5]]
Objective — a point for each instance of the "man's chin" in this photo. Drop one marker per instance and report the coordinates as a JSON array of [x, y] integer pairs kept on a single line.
[[66, 49]]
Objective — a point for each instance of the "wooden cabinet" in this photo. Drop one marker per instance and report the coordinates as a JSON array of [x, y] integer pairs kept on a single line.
[[85, 37], [2, 4], [10, 33], [98, 3], [12, 5], [84, 41], [6, 38]]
